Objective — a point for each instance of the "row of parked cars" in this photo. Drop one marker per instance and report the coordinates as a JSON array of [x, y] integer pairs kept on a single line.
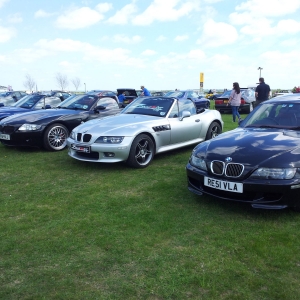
[[257, 163]]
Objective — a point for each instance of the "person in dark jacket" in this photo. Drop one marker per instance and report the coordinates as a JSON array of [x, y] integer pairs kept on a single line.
[[262, 92]]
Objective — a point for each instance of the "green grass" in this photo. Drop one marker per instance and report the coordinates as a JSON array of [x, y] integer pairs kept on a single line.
[[76, 230]]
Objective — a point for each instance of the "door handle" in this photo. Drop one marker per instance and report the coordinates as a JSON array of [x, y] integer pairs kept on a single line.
[[198, 120]]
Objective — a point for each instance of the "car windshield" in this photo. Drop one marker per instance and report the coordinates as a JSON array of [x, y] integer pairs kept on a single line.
[[28, 101], [281, 114], [82, 102], [152, 106]]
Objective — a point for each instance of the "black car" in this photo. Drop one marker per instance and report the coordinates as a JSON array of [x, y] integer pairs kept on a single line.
[[30, 102], [50, 128], [8, 98], [247, 100], [130, 95], [199, 100], [257, 163]]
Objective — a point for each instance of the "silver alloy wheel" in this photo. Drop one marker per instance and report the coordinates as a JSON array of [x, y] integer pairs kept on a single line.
[[213, 130], [55, 137]]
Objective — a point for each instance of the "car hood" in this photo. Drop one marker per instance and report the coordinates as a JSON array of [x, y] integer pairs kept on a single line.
[[9, 110], [122, 124], [254, 147], [35, 116]]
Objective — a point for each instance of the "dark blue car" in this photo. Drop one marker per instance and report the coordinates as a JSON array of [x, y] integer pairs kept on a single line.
[[29, 102], [199, 101]]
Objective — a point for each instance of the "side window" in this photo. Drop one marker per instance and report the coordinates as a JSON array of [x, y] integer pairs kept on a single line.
[[40, 104], [53, 102], [174, 113], [107, 102], [187, 105]]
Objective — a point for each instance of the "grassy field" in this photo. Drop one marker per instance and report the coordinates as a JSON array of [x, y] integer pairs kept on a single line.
[[76, 230]]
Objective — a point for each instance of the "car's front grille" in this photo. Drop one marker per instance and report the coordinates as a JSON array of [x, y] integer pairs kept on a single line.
[[228, 169], [87, 138], [7, 129], [78, 138]]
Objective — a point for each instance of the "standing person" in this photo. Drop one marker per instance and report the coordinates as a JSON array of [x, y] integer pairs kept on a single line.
[[235, 101], [262, 92], [121, 98], [145, 92]]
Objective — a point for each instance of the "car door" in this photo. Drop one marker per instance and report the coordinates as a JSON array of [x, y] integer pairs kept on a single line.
[[188, 128]]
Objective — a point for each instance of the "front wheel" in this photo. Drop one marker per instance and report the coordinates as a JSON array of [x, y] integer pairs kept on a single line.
[[55, 137], [213, 131], [141, 152]]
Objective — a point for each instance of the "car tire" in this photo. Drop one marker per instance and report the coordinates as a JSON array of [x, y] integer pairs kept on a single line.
[[141, 152], [213, 130], [55, 137]]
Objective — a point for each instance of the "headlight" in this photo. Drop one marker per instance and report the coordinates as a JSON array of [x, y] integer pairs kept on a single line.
[[72, 135], [110, 139], [30, 127], [274, 173], [198, 162]]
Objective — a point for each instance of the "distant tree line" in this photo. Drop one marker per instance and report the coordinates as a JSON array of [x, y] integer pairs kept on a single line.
[[61, 80]]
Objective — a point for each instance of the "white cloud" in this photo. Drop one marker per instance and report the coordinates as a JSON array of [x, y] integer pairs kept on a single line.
[[181, 38], [149, 52], [104, 7], [79, 18], [42, 14], [123, 16], [119, 38], [217, 34], [259, 8], [2, 2], [15, 18], [161, 38], [6, 34], [165, 11], [288, 27]]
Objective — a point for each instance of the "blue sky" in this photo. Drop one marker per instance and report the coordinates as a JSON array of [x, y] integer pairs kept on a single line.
[[161, 44]]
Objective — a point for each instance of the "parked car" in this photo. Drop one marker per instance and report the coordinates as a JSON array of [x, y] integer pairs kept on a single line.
[[248, 98], [282, 93], [199, 100], [51, 127], [257, 163], [130, 95], [57, 94], [9, 98], [29, 103], [147, 126], [157, 93]]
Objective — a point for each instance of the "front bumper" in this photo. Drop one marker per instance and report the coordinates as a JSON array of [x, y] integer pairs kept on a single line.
[[106, 153], [24, 138], [271, 194]]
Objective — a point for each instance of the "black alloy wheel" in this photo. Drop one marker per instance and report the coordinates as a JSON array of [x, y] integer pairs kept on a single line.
[[141, 152], [213, 130]]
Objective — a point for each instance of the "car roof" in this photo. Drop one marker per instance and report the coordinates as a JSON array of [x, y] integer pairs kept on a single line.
[[287, 97]]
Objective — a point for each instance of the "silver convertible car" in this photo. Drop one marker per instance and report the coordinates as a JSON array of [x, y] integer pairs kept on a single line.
[[147, 126]]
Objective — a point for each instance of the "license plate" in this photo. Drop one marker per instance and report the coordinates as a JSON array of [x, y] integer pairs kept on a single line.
[[235, 187], [225, 101], [126, 101], [4, 136], [81, 148]]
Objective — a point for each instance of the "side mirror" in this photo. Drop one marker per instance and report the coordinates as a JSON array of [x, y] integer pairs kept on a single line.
[[99, 107], [1, 104], [185, 114], [47, 106]]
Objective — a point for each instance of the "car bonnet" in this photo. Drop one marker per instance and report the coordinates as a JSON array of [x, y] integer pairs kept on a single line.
[[123, 124], [252, 147]]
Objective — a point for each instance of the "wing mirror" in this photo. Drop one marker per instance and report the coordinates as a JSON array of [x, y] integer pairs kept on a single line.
[[99, 107], [185, 114], [1, 104]]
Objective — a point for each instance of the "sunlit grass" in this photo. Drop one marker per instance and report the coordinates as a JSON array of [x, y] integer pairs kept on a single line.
[[77, 230]]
